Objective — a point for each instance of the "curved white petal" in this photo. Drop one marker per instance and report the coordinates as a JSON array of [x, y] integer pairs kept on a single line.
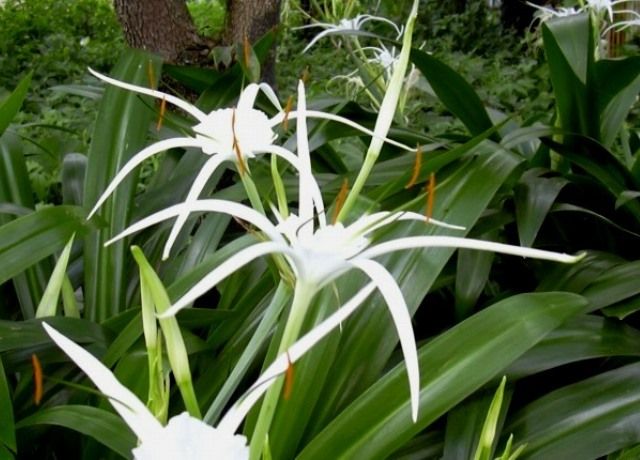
[[198, 185], [345, 121], [232, 419], [372, 222], [464, 243], [394, 299], [134, 413], [315, 39], [184, 105], [212, 205], [138, 158], [249, 94], [225, 269]]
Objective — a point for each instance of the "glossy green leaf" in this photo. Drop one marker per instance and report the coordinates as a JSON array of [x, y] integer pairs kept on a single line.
[[618, 83], [464, 423], [581, 338], [490, 427], [454, 92], [569, 48], [10, 107], [120, 132], [7, 426], [472, 273], [534, 195], [586, 420], [28, 239], [105, 427], [454, 365]]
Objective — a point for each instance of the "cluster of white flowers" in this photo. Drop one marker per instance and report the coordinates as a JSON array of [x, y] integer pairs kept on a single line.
[[317, 251], [603, 10]]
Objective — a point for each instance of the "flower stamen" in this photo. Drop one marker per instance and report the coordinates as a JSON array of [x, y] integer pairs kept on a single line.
[[287, 110], [431, 194], [340, 200], [236, 146], [417, 165], [163, 109], [37, 379], [288, 379], [246, 51]]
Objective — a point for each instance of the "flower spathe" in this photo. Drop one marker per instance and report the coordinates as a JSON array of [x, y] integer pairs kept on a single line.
[[227, 135], [186, 437]]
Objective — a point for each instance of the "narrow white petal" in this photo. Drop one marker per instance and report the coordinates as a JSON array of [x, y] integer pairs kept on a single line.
[[315, 39], [402, 319], [345, 121], [464, 243], [138, 158], [198, 185], [232, 419], [134, 413], [225, 269], [184, 105], [250, 93], [372, 222], [305, 200], [212, 205]]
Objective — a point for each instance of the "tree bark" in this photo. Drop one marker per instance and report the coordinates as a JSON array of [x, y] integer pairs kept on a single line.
[[251, 19], [164, 27]]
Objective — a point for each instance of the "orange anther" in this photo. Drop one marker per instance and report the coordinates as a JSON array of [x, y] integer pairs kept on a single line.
[[287, 110], [236, 145], [288, 379], [246, 50], [416, 168], [340, 199], [163, 109], [431, 194], [306, 75], [37, 379]]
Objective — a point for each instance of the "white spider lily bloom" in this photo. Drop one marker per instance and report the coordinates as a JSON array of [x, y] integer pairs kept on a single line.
[[186, 437], [544, 13], [346, 25], [319, 255], [604, 6], [233, 135], [384, 57]]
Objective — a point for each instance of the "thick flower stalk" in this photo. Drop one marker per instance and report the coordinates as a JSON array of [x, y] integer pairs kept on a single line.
[[184, 436], [230, 135]]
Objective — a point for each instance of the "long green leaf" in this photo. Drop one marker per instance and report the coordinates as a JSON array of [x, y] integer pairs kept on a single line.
[[120, 132], [29, 239], [49, 303], [454, 92], [105, 427], [7, 426], [454, 365], [587, 420], [10, 107]]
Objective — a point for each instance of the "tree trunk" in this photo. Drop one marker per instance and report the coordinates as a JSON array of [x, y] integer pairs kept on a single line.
[[164, 27], [251, 19]]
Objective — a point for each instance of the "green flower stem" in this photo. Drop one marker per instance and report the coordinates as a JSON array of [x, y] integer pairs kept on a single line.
[[302, 296], [386, 115], [252, 192]]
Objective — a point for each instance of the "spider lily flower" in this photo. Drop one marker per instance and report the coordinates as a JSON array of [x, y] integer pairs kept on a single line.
[[184, 436], [345, 26], [233, 135], [598, 7], [319, 255], [544, 13]]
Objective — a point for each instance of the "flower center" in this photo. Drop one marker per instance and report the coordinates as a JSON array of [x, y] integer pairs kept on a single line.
[[228, 131]]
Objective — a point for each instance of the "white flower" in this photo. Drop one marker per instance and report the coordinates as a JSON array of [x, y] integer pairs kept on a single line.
[[320, 255], [186, 437], [545, 13], [227, 135], [344, 26]]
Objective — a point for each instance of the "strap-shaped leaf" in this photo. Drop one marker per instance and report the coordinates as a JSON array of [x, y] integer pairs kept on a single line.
[[454, 365], [10, 107], [28, 239], [104, 426]]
